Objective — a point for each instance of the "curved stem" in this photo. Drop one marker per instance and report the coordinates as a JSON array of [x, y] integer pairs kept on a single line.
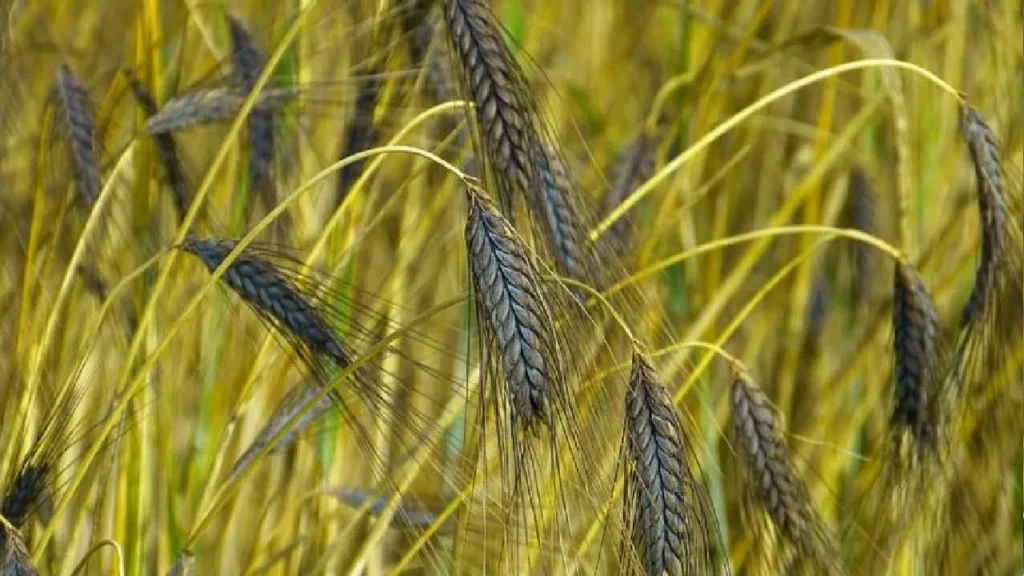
[[749, 111]]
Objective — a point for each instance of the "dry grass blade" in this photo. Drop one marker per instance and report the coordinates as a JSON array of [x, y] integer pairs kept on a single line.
[[673, 528], [14, 558], [79, 125], [916, 359], [633, 166], [503, 107], [514, 314], [275, 298], [775, 485], [211, 105], [174, 172]]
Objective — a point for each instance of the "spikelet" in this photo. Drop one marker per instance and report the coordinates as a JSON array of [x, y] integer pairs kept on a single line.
[[360, 134], [248, 63], [861, 215], [916, 361], [673, 530], [275, 298], [563, 223], [775, 486]]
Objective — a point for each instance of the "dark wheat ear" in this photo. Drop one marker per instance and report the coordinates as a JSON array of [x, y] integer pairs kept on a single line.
[[517, 322], [771, 477], [297, 410], [79, 125], [502, 100], [673, 529], [248, 64], [861, 215], [991, 207], [916, 359], [360, 134], [633, 166], [275, 298], [210, 106], [14, 558], [166, 148], [563, 218]]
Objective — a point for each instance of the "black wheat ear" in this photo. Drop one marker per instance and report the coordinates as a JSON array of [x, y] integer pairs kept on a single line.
[[668, 508]]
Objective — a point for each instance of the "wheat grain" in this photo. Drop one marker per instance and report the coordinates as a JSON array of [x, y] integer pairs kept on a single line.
[[361, 134], [514, 313], [14, 558], [563, 222], [860, 213], [309, 401], [633, 166], [248, 63], [991, 207], [79, 125]]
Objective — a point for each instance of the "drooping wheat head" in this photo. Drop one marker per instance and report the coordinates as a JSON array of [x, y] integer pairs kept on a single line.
[[775, 485], [668, 509]]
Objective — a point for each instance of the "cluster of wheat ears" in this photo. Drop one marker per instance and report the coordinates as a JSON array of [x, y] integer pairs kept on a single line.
[[581, 287]]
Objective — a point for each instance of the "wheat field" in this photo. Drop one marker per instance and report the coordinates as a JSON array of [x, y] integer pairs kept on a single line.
[[513, 287]]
